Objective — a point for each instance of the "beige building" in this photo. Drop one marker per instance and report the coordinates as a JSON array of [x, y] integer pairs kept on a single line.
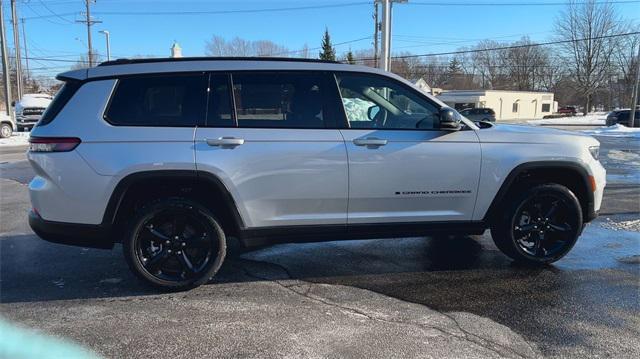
[[508, 105]]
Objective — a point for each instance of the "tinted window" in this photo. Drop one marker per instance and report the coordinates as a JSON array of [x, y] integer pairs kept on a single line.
[[59, 101], [286, 100], [219, 107], [377, 102], [177, 100]]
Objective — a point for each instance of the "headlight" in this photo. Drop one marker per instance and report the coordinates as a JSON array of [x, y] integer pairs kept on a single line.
[[595, 152]]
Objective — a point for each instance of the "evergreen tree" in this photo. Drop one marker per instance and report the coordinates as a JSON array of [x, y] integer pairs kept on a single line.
[[454, 67], [350, 59], [328, 52]]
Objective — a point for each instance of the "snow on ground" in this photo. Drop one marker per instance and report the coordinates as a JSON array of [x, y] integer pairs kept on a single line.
[[17, 139], [591, 119], [615, 131]]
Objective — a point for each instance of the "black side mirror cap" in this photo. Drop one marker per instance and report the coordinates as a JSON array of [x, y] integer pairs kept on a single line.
[[450, 119]]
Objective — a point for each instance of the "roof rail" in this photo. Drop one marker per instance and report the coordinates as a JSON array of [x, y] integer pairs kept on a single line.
[[209, 58]]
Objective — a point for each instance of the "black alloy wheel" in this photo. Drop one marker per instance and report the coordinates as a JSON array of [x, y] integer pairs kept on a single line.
[[540, 226], [175, 244]]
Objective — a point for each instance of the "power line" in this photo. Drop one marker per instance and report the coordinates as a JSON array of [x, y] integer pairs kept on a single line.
[[237, 11], [54, 13], [320, 47], [555, 3], [508, 47]]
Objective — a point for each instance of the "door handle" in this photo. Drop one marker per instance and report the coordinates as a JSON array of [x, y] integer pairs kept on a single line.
[[225, 142], [370, 142]]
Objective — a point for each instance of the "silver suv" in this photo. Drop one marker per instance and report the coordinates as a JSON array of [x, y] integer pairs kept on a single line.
[[170, 157]]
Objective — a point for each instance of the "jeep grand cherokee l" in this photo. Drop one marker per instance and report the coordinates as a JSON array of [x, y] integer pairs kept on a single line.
[[170, 157]]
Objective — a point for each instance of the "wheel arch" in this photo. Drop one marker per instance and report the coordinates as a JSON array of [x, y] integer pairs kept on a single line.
[[141, 187], [569, 174]]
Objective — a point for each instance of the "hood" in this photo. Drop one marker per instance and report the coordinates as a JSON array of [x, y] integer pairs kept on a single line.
[[530, 134], [33, 101]]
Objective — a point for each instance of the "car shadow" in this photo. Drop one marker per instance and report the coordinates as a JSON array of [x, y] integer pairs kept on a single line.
[[35, 270]]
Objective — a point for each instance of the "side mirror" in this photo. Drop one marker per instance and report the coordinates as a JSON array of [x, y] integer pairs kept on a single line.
[[449, 119], [372, 112], [13, 104]]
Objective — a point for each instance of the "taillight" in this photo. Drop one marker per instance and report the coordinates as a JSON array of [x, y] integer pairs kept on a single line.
[[53, 144]]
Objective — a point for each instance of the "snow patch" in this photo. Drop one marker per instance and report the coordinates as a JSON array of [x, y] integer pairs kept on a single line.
[[16, 139], [615, 131], [591, 119]]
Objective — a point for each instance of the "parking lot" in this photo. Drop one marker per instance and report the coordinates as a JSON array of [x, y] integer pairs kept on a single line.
[[403, 297]]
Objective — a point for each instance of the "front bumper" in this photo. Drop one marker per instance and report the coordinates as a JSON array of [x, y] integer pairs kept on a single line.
[[27, 120], [83, 235]]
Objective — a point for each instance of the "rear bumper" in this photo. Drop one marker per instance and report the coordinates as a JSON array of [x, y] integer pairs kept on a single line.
[[83, 235]]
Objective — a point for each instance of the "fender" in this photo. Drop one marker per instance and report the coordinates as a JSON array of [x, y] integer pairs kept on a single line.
[[588, 207]]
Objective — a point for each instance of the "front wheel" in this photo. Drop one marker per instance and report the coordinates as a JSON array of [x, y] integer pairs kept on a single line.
[[540, 226], [175, 244], [5, 130]]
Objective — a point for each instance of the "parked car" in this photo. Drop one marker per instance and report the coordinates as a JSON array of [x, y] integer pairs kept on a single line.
[[29, 110], [479, 114], [7, 125], [171, 157], [622, 117], [568, 110]]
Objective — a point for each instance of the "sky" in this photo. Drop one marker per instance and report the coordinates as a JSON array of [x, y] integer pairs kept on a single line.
[[148, 27]]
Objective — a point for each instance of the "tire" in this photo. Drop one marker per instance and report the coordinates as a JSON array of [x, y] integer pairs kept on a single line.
[[531, 232], [6, 130], [174, 244]]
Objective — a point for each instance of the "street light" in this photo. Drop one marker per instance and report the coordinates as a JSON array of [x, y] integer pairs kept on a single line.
[[106, 34]]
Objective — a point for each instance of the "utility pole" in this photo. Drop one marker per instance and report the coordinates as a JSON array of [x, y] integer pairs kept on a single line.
[[89, 22], [5, 64], [634, 100], [26, 53], [386, 39], [16, 44], [385, 55], [376, 27]]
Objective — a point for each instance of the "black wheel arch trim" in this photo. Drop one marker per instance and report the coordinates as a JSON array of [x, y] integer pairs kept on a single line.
[[121, 189], [589, 215]]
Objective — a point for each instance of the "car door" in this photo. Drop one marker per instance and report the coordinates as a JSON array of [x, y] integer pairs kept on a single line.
[[402, 168], [273, 143]]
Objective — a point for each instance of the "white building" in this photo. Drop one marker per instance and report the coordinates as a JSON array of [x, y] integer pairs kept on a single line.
[[508, 105]]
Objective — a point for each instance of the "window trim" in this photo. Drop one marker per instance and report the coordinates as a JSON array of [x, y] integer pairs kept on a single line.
[[118, 79], [400, 83], [234, 122]]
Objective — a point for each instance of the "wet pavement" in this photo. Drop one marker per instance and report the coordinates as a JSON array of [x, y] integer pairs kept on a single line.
[[403, 297]]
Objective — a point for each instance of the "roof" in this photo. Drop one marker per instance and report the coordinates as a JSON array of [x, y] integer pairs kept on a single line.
[[123, 67], [209, 58], [481, 92]]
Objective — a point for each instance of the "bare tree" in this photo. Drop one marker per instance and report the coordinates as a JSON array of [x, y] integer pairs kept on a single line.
[[488, 64], [237, 46], [626, 64], [588, 59]]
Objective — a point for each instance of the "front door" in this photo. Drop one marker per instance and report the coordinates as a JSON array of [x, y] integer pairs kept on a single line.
[[273, 142], [402, 168]]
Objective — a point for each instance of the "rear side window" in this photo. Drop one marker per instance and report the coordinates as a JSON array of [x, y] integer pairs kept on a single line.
[[63, 96], [164, 101], [284, 100]]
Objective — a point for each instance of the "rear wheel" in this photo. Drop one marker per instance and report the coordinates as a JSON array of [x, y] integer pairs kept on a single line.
[[539, 226], [175, 244], [5, 130]]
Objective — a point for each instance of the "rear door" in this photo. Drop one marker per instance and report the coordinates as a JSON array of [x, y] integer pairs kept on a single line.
[[273, 142], [402, 168]]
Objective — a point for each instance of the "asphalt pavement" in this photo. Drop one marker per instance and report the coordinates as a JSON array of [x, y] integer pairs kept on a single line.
[[403, 297]]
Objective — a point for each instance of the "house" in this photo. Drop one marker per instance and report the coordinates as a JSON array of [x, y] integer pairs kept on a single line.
[[423, 86], [508, 105], [176, 50]]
